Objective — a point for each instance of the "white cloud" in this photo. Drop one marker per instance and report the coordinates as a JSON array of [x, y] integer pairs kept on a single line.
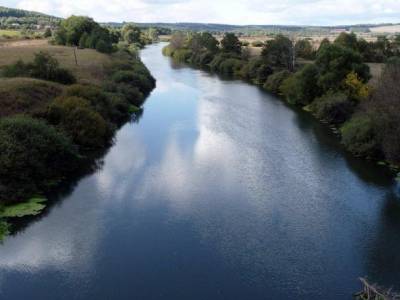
[[310, 12]]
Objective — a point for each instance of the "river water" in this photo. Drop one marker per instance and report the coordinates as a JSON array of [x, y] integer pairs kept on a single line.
[[220, 191]]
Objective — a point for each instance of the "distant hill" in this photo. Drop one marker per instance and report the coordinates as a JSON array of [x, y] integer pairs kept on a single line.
[[261, 29], [18, 18]]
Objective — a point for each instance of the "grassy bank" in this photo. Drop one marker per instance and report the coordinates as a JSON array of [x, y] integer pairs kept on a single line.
[[334, 83]]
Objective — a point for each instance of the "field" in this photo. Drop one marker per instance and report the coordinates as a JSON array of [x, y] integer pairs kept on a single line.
[[90, 67], [10, 33], [386, 29]]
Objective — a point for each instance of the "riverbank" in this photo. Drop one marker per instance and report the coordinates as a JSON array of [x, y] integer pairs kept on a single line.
[[53, 126], [334, 88]]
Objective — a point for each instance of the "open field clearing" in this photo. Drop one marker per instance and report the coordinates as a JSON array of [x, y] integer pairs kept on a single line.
[[90, 66], [386, 29]]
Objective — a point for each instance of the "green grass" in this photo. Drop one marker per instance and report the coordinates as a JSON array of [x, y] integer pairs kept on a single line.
[[10, 33], [32, 207]]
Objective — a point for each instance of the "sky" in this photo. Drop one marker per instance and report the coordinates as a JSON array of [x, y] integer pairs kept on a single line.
[[241, 12]]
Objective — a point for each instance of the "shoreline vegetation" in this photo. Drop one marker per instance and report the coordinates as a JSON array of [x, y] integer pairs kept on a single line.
[[331, 82], [55, 117]]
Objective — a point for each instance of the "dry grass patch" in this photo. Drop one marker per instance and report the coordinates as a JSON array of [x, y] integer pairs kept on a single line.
[[26, 96], [90, 68]]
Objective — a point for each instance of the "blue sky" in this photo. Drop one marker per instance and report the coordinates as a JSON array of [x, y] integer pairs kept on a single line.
[[291, 12]]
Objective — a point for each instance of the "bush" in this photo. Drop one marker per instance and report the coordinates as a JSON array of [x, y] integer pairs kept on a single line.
[[32, 156], [332, 107], [86, 127], [230, 66], [257, 44], [359, 137], [142, 82], [96, 97], [44, 66], [274, 81], [301, 88], [256, 71], [18, 69], [182, 55], [26, 96]]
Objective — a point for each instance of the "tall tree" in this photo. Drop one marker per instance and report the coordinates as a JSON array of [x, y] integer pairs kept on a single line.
[[279, 52], [231, 44]]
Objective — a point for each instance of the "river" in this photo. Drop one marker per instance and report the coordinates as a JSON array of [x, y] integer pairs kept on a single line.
[[220, 191]]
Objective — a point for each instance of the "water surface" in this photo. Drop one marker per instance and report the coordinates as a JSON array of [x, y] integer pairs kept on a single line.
[[221, 191]]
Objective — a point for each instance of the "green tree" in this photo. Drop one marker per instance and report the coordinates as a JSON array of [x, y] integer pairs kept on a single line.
[[304, 49], [231, 44], [348, 40], [335, 63], [209, 42], [131, 34], [47, 33], [278, 52]]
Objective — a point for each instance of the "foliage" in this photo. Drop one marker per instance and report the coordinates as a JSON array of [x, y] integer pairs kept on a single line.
[[32, 154], [85, 33], [359, 136], [4, 230], [32, 207], [347, 40], [304, 49], [47, 33], [231, 44], [274, 82], [26, 96], [301, 88], [333, 107], [356, 89], [44, 66], [278, 53], [256, 71], [86, 127], [336, 62]]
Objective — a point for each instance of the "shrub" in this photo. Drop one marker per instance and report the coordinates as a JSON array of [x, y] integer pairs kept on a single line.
[[333, 107], [96, 97], [301, 88], [274, 81], [18, 69], [359, 137], [32, 156], [256, 71], [142, 82], [26, 96], [44, 66], [230, 66], [182, 55], [86, 127], [257, 44]]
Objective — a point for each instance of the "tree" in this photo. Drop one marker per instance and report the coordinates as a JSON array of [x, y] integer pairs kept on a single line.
[[209, 42], [231, 44], [304, 49], [32, 154], [177, 40], [131, 34], [301, 88], [335, 63], [47, 33], [348, 40], [279, 52]]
